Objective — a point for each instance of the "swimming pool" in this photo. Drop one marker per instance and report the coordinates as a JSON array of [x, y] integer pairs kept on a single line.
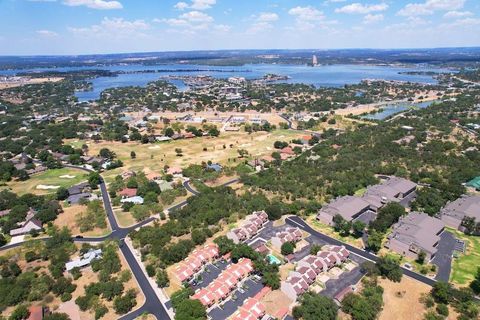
[[273, 260]]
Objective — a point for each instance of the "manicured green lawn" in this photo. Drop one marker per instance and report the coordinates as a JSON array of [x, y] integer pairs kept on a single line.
[[465, 266], [50, 177]]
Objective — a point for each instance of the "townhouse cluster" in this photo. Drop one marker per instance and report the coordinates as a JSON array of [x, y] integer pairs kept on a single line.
[[252, 309], [193, 264], [290, 234], [220, 289], [250, 227], [309, 268]]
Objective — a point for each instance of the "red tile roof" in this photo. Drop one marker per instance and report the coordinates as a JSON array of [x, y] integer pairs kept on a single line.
[[36, 313], [128, 192]]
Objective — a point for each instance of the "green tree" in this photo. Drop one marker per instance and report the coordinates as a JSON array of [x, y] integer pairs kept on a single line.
[[162, 278], [315, 307], [21, 312], [421, 257], [94, 180], [62, 193], [125, 303], [389, 267], [374, 240], [191, 310], [287, 248], [441, 292], [133, 155], [274, 211]]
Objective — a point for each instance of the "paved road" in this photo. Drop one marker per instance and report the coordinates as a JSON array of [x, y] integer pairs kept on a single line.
[[152, 304], [298, 222]]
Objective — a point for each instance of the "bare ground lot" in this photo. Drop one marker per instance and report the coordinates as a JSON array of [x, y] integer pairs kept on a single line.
[[402, 299], [69, 219], [7, 85]]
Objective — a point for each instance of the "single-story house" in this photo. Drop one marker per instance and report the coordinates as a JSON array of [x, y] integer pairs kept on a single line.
[[134, 200], [86, 259], [128, 192], [27, 227]]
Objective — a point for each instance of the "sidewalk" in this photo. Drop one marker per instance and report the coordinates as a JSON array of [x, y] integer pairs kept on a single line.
[[159, 292]]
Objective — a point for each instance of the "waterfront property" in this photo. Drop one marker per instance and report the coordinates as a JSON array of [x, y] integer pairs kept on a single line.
[[454, 212], [415, 233]]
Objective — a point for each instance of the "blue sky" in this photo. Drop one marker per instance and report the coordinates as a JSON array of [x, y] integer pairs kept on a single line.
[[30, 27]]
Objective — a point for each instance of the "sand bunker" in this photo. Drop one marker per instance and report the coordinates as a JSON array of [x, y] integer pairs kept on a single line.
[[245, 145], [155, 147], [46, 187], [67, 176]]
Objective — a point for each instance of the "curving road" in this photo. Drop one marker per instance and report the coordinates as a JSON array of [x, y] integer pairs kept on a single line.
[[298, 222], [152, 304]]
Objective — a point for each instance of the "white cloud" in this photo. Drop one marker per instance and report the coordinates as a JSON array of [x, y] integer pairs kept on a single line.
[[262, 22], [94, 4], [196, 17], [306, 13], [372, 18], [47, 33], [267, 17], [457, 14], [358, 8], [465, 22], [195, 4], [308, 18], [193, 21], [181, 6], [202, 4], [430, 6], [113, 27]]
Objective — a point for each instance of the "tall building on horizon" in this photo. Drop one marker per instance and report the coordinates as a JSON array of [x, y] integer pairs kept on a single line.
[[314, 60]]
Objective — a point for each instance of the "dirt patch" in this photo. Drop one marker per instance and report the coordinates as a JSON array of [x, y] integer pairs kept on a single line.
[[274, 300], [68, 219], [403, 299]]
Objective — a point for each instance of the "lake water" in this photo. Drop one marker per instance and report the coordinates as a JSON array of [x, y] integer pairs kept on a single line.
[[392, 109], [320, 76]]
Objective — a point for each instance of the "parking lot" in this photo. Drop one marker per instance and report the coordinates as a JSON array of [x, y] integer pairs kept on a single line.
[[443, 258], [229, 307], [207, 277]]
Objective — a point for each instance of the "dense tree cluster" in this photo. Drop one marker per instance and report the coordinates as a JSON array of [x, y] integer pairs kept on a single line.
[[365, 305], [18, 286], [348, 162], [47, 209]]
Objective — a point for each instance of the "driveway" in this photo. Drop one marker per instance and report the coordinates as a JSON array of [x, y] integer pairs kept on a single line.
[[229, 307], [443, 258], [334, 286], [405, 202]]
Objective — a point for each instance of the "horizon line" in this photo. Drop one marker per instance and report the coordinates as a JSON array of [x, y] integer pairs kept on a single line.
[[230, 50]]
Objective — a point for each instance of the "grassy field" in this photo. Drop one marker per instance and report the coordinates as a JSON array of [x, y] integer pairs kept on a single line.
[[52, 177], [465, 266], [153, 157], [323, 228]]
